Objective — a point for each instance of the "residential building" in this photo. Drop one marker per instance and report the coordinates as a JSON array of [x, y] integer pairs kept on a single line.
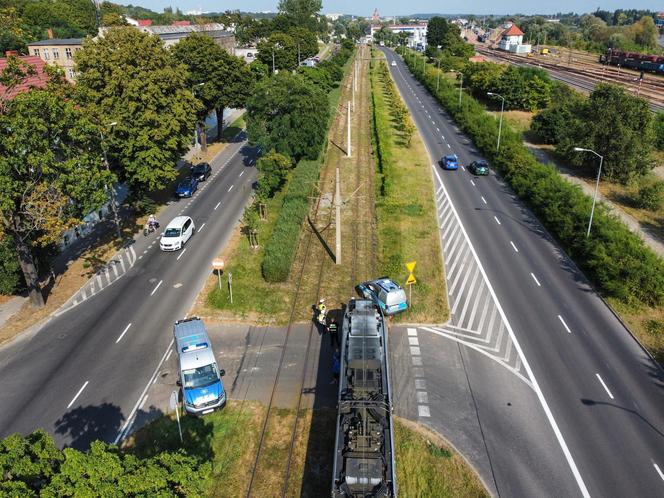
[[58, 52], [511, 40], [417, 33], [36, 80]]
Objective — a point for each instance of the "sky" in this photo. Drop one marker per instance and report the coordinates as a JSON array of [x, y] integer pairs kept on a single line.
[[399, 7]]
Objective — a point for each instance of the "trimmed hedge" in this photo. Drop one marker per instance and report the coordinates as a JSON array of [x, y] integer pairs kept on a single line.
[[615, 259], [282, 245]]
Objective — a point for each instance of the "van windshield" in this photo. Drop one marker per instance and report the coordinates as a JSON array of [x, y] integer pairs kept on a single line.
[[172, 232], [200, 377]]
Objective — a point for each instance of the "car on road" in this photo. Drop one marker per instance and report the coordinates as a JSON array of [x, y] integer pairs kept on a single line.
[[186, 187], [201, 171], [394, 64], [177, 233], [199, 376], [386, 293], [450, 161], [479, 168]]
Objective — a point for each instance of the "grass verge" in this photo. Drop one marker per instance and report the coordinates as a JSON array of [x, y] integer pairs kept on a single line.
[[406, 211]]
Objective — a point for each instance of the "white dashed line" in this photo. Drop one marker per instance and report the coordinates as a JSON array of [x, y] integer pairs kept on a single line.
[[661, 475], [448, 146], [564, 324], [472, 182], [155, 289], [123, 333], [497, 220], [241, 173], [463, 168], [514, 247], [483, 199], [181, 254], [201, 227], [604, 386], [78, 394], [145, 398], [437, 129], [218, 204], [169, 354], [230, 188], [535, 279]]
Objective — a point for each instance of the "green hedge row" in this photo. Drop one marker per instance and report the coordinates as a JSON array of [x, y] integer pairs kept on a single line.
[[280, 249], [615, 259], [282, 245]]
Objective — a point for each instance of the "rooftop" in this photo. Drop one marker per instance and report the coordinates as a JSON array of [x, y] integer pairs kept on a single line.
[[513, 31], [37, 80], [56, 41]]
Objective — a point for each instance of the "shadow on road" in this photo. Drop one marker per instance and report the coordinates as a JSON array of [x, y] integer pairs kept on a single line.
[[84, 424]]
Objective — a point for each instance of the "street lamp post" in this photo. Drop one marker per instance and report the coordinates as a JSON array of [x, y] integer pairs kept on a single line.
[[599, 172], [502, 108], [114, 206]]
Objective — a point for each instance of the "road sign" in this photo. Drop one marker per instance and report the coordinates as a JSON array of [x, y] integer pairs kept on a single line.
[[411, 266], [411, 279], [218, 264]]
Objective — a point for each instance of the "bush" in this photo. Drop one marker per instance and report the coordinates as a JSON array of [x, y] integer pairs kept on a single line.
[[11, 278], [272, 171], [280, 249], [614, 258], [651, 197], [659, 131]]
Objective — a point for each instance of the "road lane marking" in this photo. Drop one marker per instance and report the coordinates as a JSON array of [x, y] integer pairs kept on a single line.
[[526, 365], [218, 204], [514, 247], [438, 129], [168, 355], [123, 333], [483, 199], [145, 398], [231, 188], [412, 332], [181, 254], [661, 475], [155, 289], [413, 341], [423, 411], [463, 168], [201, 227], [152, 380], [497, 220], [78, 394], [241, 173], [604, 386], [535, 279], [448, 146], [472, 182], [564, 324]]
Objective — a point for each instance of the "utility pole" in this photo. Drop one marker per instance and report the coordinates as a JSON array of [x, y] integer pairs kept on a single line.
[[349, 142], [337, 205]]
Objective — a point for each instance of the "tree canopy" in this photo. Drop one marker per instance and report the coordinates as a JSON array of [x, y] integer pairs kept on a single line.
[[128, 77]]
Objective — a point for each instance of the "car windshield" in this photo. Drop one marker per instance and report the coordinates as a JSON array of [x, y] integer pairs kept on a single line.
[[172, 232], [200, 377], [199, 169]]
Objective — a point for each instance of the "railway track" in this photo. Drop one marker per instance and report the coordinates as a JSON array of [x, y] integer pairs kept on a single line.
[[305, 294], [586, 79]]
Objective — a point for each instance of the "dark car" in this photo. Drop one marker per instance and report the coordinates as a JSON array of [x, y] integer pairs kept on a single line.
[[186, 187], [201, 171], [479, 168], [450, 161]]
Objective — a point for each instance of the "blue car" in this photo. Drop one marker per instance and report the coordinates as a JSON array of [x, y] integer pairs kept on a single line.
[[187, 187], [450, 162], [386, 293]]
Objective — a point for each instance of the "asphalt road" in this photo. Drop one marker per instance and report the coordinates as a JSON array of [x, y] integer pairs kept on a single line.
[[601, 394], [83, 375]]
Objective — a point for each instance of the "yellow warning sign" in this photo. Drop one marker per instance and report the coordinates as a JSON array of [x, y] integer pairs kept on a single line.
[[411, 279], [411, 266]]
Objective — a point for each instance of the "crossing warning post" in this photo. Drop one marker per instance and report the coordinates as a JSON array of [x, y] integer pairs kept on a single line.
[[411, 280]]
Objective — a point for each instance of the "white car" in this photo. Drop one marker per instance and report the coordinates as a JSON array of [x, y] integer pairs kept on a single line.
[[394, 64], [177, 233]]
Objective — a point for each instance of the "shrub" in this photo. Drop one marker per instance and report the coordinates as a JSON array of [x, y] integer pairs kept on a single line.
[[272, 171], [659, 131], [614, 258], [651, 197]]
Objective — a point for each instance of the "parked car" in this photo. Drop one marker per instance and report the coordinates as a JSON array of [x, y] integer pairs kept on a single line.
[[386, 293], [451, 161], [177, 233], [186, 187], [201, 171], [479, 168]]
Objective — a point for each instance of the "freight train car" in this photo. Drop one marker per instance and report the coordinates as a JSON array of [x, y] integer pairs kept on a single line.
[[634, 60], [364, 449]]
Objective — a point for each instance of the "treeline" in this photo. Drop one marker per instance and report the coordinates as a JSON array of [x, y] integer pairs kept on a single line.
[[615, 259], [33, 466], [288, 116]]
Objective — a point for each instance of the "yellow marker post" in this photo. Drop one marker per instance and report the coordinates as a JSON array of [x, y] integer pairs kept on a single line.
[[411, 280]]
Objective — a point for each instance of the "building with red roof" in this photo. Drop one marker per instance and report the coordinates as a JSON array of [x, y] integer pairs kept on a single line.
[[37, 80], [512, 40]]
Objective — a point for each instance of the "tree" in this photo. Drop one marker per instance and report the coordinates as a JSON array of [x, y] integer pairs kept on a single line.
[[644, 32], [278, 52], [436, 31], [659, 130], [272, 171], [306, 43], [50, 174], [483, 77], [236, 84], [302, 13], [128, 77], [288, 114], [525, 88]]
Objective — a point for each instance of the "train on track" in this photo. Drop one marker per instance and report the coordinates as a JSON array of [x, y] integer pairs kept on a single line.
[[634, 60], [364, 450]]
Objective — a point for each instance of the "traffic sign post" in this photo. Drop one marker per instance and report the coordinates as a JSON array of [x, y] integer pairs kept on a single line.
[[218, 266], [174, 405], [230, 285], [411, 280]]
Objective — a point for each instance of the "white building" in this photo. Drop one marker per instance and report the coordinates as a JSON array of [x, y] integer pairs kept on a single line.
[[512, 40], [417, 33]]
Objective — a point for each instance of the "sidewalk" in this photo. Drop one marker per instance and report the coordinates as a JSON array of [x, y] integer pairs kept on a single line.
[[651, 240], [123, 259]]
